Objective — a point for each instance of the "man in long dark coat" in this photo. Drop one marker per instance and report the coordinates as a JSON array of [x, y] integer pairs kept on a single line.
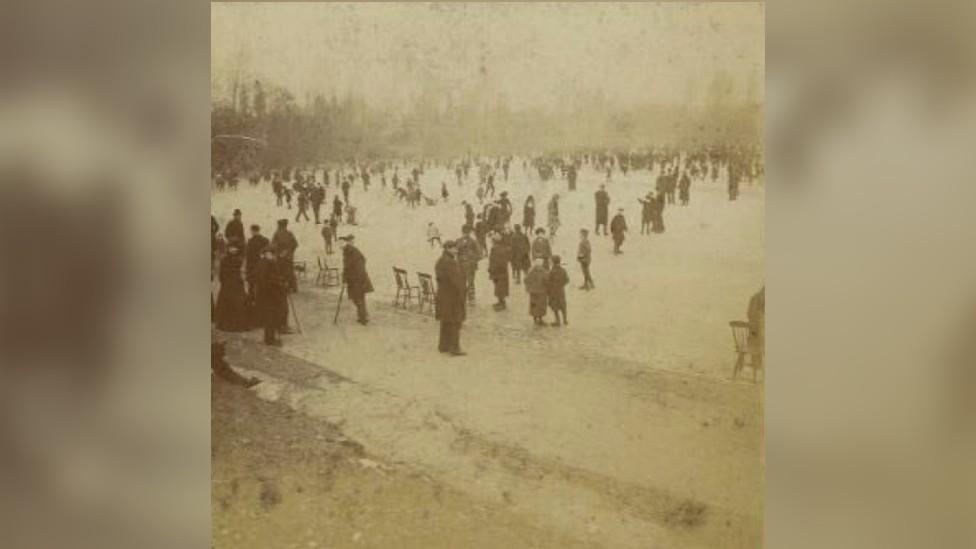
[[285, 242], [357, 280], [272, 299], [498, 268], [469, 253], [520, 254], [234, 231], [252, 257], [450, 306], [602, 209]]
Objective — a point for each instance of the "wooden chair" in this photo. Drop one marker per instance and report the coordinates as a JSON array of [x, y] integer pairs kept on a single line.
[[428, 292], [327, 276], [405, 292], [740, 336]]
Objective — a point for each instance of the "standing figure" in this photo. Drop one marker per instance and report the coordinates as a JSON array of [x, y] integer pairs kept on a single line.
[[584, 255], [657, 221], [328, 235], [302, 206], [618, 226], [346, 183], [535, 285], [520, 254], [449, 308], [318, 197], [556, 290], [337, 208], [356, 278], [554, 214], [468, 213], [252, 258], [528, 214], [351, 214], [468, 255], [541, 249], [684, 189], [286, 243], [272, 300], [444, 193], [498, 261], [602, 209], [231, 300], [647, 212], [234, 231]]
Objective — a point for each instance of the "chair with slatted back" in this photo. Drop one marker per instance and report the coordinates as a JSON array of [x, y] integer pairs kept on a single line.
[[404, 291], [740, 336], [327, 276], [428, 292]]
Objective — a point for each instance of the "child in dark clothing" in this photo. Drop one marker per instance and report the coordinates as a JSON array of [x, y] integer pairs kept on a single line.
[[556, 290]]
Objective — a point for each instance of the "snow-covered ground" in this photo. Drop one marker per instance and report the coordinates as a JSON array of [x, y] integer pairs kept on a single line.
[[623, 415]]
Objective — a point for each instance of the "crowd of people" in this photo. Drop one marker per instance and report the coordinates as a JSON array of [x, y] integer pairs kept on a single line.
[[257, 274]]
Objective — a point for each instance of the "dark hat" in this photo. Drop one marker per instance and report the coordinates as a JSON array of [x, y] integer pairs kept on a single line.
[[555, 259], [237, 212], [540, 230], [255, 227], [450, 244], [282, 222], [504, 193], [348, 237]]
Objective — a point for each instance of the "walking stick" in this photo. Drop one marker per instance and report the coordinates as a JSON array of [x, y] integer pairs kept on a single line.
[[342, 290], [294, 313]]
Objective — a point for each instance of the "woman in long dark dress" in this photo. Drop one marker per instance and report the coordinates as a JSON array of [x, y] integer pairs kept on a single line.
[[232, 300]]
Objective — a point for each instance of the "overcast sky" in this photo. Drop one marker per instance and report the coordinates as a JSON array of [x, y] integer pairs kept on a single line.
[[532, 54]]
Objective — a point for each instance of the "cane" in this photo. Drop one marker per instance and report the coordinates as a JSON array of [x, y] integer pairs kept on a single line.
[[342, 290], [294, 313]]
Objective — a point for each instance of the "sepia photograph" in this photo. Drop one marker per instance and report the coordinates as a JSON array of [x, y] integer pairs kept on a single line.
[[487, 275]]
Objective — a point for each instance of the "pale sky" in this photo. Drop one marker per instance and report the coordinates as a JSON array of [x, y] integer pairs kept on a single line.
[[533, 54]]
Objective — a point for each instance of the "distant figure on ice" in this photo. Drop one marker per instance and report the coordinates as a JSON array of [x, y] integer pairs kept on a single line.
[[285, 242], [657, 221], [647, 212], [337, 208], [317, 197], [468, 213], [449, 307], [328, 235], [444, 193], [302, 206], [520, 253], [602, 209], [584, 255], [498, 268], [617, 228], [272, 298], [528, 215], [556, 290], [351, 214], [535, 285], [356, 278], [684, 189], [554, 215]]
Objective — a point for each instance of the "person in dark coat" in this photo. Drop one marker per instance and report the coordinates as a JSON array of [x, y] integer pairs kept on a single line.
[[556, 290], [498, 261], [337, 208], [541, 249], [285, 242], [318, 197], [528, 215], [468, 214], [252, 257], [506, 206], [481, 233], [357, 280], [231, 300], [450, 306], [657, 221], [535, 285], [271, 279], [602, 209], [234, 231], [520, 253], [618, 226]]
